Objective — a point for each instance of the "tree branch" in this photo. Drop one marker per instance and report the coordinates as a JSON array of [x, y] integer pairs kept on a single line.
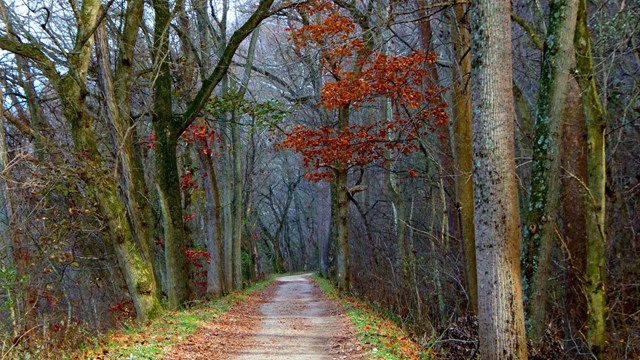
[[209, 84], [34, 53], [535, 38]]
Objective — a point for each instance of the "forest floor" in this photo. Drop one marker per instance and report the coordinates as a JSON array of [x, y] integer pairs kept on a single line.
[[289, 319]]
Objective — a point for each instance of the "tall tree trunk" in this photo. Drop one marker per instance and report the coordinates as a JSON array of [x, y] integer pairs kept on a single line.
[[500, 308], [213, 223], [147, 223], [167, 179], [118, 108], [227, 176], [238, 207], [462, 149], [445, 166], [596, 180], [137, 270], [574, 162], [238, 183], [405, 259], [542, 212], [342, 213]]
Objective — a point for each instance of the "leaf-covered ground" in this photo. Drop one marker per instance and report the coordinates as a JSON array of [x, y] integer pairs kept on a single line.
[[155, 339], [382, 339]]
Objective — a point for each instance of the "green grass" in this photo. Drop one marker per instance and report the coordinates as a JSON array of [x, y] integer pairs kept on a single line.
[[380, 336], [153, 340]]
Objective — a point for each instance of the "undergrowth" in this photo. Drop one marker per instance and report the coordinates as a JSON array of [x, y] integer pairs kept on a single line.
[[153, 340], [381, 337]]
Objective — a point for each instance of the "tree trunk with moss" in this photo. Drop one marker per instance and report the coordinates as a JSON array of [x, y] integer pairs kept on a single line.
[[462, 149], [500, 308], [595, 200], [167, 179], [71, 89], [542, 212], [116, 91]]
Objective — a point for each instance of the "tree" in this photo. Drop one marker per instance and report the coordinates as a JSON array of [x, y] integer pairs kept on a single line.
[[168, 128], [595, 200], [167, 131], [500, 309], [462, 147], [360, 75], [71, 89], [543, 202]]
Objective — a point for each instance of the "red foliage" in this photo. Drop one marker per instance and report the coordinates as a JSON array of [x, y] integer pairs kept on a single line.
[[187, 217], [362, 75], [198, 258], [325, 149], [123, 310], [186, 181], [202, 135], [149, 142]]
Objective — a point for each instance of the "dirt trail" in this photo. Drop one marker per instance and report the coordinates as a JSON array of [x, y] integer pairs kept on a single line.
[[290, 319], [298, 323]]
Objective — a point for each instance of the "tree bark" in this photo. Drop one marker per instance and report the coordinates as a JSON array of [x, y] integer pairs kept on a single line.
[[118, 109], [462, 149], [342, 213], [595, 200], [574, 163], [500, 312], [238, 183], [213, 224], [238, 207], [167, 180], [542, 212]]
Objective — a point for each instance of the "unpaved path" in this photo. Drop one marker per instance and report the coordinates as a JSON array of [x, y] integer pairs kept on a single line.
[[289, 320]]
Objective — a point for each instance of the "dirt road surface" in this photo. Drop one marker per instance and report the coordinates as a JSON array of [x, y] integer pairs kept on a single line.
[[291, 319]]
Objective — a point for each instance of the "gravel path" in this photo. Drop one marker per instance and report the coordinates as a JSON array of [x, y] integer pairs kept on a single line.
[[289, 320], [298, 323]]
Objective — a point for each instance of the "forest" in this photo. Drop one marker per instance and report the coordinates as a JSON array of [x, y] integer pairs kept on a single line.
[[466, 166]]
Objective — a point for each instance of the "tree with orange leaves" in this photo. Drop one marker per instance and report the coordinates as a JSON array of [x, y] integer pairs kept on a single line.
[[359, 74]]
